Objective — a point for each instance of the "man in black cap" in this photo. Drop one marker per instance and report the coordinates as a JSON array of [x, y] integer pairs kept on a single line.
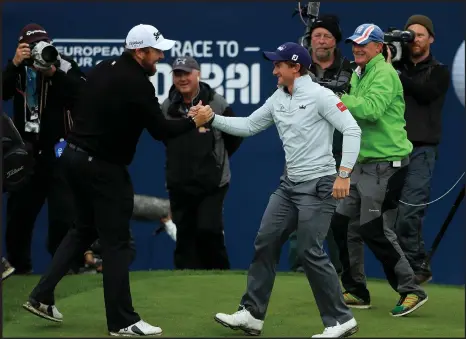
[[332, 70], [197, 172], [425, 83], [43, 96]]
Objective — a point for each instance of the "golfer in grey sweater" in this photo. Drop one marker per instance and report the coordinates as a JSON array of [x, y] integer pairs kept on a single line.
[[306, 115]]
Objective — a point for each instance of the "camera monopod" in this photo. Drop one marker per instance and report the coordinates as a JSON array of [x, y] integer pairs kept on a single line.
[[311, 13], [442, 231]]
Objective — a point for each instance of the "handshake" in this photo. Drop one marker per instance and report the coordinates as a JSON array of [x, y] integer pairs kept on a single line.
[[201, 114]]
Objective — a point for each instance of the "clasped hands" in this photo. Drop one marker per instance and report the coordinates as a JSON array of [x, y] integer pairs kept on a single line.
[[201, 114]]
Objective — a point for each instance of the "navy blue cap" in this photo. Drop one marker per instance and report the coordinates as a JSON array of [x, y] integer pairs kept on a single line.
[[366, 33], [290, 51]]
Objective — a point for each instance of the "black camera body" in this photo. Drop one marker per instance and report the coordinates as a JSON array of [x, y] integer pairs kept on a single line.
[[397, 41], [340, 83], [43, 55]]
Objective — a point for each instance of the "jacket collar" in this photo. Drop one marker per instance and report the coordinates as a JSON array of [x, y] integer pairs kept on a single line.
[[426, 61], [177, 105], [301, 82], [375, 60], [128, 59]]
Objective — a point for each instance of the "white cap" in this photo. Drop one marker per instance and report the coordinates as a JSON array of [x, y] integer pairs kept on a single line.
[[141, 36]]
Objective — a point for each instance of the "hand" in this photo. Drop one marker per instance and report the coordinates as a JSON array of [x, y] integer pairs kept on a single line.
[[22, 52], [389, 55], [203, 115], [341, 188], [194, 109]]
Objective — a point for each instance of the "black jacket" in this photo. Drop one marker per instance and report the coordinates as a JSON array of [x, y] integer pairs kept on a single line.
[[425, 86], [117, 103], [342, 68], [198, 161], [57, 97]]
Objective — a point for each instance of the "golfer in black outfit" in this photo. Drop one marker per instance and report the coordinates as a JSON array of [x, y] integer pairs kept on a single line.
[[117, 104]]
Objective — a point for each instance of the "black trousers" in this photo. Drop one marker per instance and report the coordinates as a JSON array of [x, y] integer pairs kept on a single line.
[[200, 241], [104, 201], [23, 206]]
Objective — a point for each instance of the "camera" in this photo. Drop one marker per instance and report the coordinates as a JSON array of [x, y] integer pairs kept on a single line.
[[397, 41], [338, 84], [43, 55], [310, 13]]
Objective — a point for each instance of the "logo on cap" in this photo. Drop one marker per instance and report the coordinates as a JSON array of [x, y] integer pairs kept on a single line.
[[35, 32], [281, 48], [180, 61], [359, 29], [135, 43], [157, 36]]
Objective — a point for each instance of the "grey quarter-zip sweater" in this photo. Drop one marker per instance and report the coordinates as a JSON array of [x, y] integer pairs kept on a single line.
[[305, 120]]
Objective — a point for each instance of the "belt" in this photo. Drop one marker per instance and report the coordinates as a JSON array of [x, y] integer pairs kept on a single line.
[[404, 162], [393, 163]]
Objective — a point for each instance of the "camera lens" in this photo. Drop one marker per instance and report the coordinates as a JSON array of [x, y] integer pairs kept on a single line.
[[49, 54]]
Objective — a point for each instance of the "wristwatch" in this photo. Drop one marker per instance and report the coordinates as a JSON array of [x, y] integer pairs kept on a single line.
[[343, 174]]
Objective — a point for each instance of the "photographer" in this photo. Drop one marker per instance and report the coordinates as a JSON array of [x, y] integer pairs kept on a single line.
[[376, 102], [197, 172], [425, 83], [333, 71], [44, 86]]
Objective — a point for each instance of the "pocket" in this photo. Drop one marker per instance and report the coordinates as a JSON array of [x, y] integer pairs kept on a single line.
[[324, 186], [430, 157]]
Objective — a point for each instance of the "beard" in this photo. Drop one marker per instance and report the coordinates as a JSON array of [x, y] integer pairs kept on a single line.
[[418, 51], [323, 54], [149, 67]]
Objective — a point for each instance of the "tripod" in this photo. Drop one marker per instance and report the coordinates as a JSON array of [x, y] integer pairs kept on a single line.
[[445, 225]]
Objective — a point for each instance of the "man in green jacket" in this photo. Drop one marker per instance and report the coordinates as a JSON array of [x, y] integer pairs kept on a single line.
[[376, 102]]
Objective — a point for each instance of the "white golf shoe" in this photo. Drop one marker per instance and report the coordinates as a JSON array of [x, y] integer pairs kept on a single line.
[[241, 320]]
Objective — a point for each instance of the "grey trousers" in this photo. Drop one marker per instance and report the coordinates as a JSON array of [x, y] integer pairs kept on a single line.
[[373, 200], [308, 208], [353, 276]]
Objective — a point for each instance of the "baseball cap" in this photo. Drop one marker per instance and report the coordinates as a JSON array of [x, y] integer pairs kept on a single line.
[[366, 33], [290, 51], [187, 64], [142, 36], [32, 33]]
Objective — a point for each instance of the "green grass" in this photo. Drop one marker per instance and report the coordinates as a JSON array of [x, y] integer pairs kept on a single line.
[[184, 303]]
